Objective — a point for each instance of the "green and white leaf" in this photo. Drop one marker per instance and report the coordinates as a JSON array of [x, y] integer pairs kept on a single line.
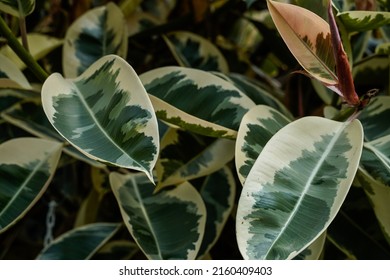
[[166, 225], [376, 67], [255, 91], [9, 70], [376, 150], [218, 191], [215, 107], [308, 38], [80, 243], [99, 32], [358, 21], [106, 114], [30, 117], [185, 156], [17, 8], [256, 129], [297, 186], [27, 166], [194, 51], [373, 118], [379, 196], [376, 159], [39, 47], [314, 250]]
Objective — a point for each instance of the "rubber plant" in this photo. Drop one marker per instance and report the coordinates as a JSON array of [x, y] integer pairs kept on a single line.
[[174, 146]]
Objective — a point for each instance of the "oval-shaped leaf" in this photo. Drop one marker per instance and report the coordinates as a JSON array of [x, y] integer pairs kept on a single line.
[[18, 8], [80, 243], [256, 129], [106, 114], [199, 94], [296, 187], [9, 70], [39, 46], [308, 38], [166, 225], [27, 166], [99, 32], [194, 51], [185, 156], [218, 192]]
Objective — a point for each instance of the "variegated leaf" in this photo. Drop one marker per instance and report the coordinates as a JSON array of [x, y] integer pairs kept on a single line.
[[256, 92], [256, 129], [106, 114], [218, 192], [297, 186], [308, 38], [376, 67], [39, 46], [99, 32], [30, 117], [379, 196], [358, 21], [194, 51], [9, 70], [376, 150], [373, 118], [376, 159], [202, 157], [314, 250], [166, 225], [214, 106], [18, 8], [27, 166], [80, 243]]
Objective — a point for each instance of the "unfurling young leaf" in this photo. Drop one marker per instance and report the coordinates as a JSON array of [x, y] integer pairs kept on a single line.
[[317, 47]]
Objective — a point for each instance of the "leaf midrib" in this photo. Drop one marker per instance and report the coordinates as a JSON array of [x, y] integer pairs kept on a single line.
[[308, 184], [146, 215], [102, 130]]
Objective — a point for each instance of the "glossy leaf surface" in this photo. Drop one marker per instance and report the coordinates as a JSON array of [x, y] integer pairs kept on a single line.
[[256, 129], [166, 225], [296, 187], [99, 32], [106, 114], [307, 35], [214, 106], [27, 166]]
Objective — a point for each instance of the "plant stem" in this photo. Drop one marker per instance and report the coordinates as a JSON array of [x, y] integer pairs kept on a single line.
[[23, 32], [22, 53], [345, 114]]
